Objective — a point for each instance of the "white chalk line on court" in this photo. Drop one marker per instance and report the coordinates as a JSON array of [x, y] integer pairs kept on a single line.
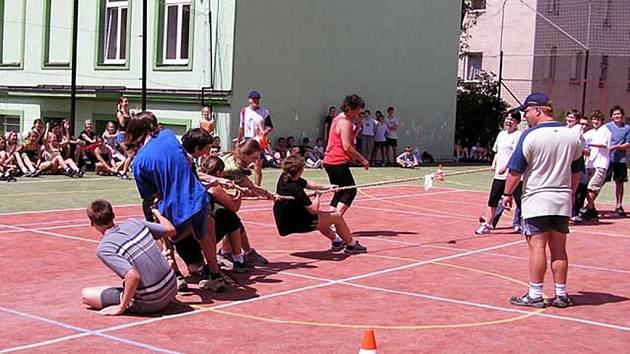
[[463, 302], [420, 244], [53, 234], [84, 332]]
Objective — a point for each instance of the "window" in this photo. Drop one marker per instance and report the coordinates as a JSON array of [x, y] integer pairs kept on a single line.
[[554, 7], [550, 64], [177, 128], [12, 26], [608, 14], [114, 49], [478, 5], [473, 66], [175, 32], [9, 123], [603, 69], [57, 34], [576, 66]]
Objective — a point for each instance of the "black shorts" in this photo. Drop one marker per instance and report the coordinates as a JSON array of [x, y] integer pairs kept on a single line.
[[189, 250], [380, 144], [225, 221], [618, 172], [306, 223], [496, 193], [31, 154], [391, 142], [341, 176]]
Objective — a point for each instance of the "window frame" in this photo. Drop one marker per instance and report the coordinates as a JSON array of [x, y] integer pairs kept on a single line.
[[119, 6], [467, 66], [478, 10], [99, 49], [46, 63], [160, 63], [13, 65], [576, 67], [19, 114]]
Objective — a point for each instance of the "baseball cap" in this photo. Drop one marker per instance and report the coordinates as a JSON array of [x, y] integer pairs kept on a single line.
[[535, 99], [254, 94]]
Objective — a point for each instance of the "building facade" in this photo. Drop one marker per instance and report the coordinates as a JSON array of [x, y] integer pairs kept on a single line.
[[545, 45], [303, 56]]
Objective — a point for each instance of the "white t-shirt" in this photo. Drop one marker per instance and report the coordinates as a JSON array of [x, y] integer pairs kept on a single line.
[[504, 147], [392, 123], [369, 126], [599, 157], [381, 131], [251, 121]]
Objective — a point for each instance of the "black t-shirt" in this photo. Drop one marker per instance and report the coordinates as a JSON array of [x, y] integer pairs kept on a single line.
[[292, 215], [91, 135], [327, 122]]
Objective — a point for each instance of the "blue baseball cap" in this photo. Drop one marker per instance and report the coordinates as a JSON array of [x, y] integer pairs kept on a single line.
[[254, 94], [535, 99]]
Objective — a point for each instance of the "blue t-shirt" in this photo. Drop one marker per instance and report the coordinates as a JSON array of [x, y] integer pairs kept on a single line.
[[161, 166], [618, 136]]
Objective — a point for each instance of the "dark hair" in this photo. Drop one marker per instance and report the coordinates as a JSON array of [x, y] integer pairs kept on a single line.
[[515, 114], [211, 165], [249, 147], [281, 139], [598, 114], [306, 140], [390, 108], [575, 113], [292, 166], [352, 102], [38, 120], [290, 138], [142, 125], [331, 108], [196, 139], [100, 212], [617, 108]]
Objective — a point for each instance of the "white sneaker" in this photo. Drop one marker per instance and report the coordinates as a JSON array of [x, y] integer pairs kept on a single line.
[[517, 229], [483, 229]]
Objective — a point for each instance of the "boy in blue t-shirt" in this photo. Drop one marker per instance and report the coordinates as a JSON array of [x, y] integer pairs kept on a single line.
[[619, 143]]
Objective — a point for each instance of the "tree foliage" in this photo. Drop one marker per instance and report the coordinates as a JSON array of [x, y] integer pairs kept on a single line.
[[480, 113]]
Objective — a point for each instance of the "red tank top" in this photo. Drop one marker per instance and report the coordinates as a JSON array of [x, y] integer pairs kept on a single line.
[[335, 155]]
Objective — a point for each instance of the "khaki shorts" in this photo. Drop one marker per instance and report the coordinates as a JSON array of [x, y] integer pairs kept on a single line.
[[596, 178]]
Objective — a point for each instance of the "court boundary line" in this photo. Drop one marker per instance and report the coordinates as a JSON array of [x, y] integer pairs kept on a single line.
[[84, 331]]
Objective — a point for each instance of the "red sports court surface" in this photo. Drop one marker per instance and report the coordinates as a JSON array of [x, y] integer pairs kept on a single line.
[[419, 292]]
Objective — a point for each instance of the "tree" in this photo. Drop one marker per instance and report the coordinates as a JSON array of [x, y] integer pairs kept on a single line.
[[480, 113]]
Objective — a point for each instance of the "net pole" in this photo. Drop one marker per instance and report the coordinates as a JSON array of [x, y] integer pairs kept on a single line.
[[144, 54], [586, 60], [73, 74]]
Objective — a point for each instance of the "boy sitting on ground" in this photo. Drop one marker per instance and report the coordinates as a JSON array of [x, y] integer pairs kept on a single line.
[[301, 215], [407, 159], [130, 251]]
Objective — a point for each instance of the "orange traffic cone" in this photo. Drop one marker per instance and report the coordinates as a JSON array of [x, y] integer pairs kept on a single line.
[[439, 174], [369, 343]]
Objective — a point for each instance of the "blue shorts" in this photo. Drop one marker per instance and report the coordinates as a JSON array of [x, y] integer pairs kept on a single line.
[[540, 224], [197, 225], [120, 137]]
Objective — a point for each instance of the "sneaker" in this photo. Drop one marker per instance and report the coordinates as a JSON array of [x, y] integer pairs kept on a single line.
[[356, 249], [181, 283], [620, 212], [255, 258], [36, 173], [517, 229], [337, 246], [562, 301], [525, 300], [238, 267], [79, 173], [217, 284], [577, 219], [483, 229]]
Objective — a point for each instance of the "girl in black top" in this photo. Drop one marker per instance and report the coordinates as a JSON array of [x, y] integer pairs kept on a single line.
[[301, 215]]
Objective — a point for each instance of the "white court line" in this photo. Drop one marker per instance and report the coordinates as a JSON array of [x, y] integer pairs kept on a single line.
[[420, 244], [310, 287], [67, 192], [84, 332], [50, 234], [462, 302], [414, 213], [101, 178]]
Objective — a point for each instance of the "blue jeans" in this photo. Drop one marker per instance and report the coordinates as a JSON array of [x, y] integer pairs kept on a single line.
[[497, 215]]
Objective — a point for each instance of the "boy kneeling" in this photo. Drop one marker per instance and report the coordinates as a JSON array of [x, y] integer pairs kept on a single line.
[[129, 249], [300, 215]]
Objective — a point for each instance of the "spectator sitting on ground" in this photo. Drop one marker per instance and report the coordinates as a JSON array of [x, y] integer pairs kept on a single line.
[[310, 158], [281, 150], [6, 169], [290, 142], [318, 150], [101, 157], [459, 151], [407, 159]]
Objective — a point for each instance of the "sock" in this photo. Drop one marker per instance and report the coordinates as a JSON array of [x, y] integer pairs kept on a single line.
[[352, 243], [178, 273], [535, 290], [561, 289], [337, 239], [238, 257]]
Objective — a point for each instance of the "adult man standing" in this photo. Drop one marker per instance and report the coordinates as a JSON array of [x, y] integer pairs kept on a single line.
[[548, 157], [332, 113], [255, 122], [619, 143], [392, 123]]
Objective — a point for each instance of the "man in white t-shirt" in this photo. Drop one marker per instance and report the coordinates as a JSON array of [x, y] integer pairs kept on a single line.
[[547, 158], [598, 142], [503, 147], [368, 131], [255, 123], [392, 134]]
